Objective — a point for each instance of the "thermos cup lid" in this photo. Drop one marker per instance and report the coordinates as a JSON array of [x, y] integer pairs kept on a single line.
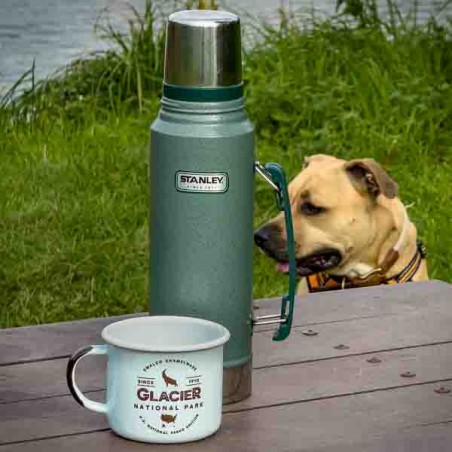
[[203, 49]]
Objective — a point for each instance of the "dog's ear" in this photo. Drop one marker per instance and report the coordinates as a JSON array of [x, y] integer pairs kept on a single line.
[[368, 175]]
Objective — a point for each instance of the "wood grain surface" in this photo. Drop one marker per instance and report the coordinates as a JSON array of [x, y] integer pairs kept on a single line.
[[307, 394]]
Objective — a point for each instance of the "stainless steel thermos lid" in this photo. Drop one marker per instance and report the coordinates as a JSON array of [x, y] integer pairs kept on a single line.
[[203, 49]]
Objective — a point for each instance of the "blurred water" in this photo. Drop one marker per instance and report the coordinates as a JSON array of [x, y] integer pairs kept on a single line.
[[53, 32]]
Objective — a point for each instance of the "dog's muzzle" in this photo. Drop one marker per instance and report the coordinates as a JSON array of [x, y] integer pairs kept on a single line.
[[268, 239]]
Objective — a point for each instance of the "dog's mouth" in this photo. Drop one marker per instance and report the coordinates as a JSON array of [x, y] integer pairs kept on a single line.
[[313, 263]]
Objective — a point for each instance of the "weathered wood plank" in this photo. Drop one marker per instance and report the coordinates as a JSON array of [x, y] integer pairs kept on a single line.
[[365, 335], [57, 340], [428, 438], [272, 386], [354, 374], [27, 344], [371, 301], [324, 425], [369, 335], [48, 379]]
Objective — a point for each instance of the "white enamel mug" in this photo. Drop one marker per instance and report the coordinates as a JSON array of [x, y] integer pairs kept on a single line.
[[164, 378]]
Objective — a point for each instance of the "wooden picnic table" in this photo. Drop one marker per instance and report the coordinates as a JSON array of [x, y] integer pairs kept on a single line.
[[335, 385]]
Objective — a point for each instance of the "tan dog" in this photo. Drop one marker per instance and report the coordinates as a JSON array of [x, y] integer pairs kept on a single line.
[[349, 227]]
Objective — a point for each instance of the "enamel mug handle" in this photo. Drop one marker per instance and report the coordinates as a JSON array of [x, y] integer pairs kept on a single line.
[[274, 175], [70, 376]]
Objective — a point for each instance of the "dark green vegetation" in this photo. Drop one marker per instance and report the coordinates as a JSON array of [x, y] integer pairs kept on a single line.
[[74, 152]]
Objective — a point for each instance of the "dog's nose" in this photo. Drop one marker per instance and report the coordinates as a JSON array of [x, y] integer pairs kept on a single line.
[[261, 236]]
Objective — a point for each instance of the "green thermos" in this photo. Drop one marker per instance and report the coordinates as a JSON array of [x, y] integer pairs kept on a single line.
[[202, 184]]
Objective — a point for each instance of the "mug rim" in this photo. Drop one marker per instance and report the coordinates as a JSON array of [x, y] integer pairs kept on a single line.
[[223, 334]]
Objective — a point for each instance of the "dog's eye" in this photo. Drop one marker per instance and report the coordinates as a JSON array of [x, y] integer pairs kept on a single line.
[[310, 209]]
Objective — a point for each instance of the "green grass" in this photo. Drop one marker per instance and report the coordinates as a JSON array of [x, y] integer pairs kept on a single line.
[[74, 153]]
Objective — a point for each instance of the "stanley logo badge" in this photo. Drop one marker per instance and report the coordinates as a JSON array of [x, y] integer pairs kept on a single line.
[[202, 182]]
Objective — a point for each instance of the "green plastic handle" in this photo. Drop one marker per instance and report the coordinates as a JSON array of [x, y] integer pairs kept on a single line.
[[282, 199]]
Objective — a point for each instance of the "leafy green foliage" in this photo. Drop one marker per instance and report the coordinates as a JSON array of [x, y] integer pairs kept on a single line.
[[74, 187]]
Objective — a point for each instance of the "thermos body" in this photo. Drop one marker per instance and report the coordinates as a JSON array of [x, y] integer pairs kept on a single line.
[[202, 183], [202, 171]]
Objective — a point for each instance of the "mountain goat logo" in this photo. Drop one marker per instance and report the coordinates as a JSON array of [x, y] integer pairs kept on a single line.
[[168, 380]]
